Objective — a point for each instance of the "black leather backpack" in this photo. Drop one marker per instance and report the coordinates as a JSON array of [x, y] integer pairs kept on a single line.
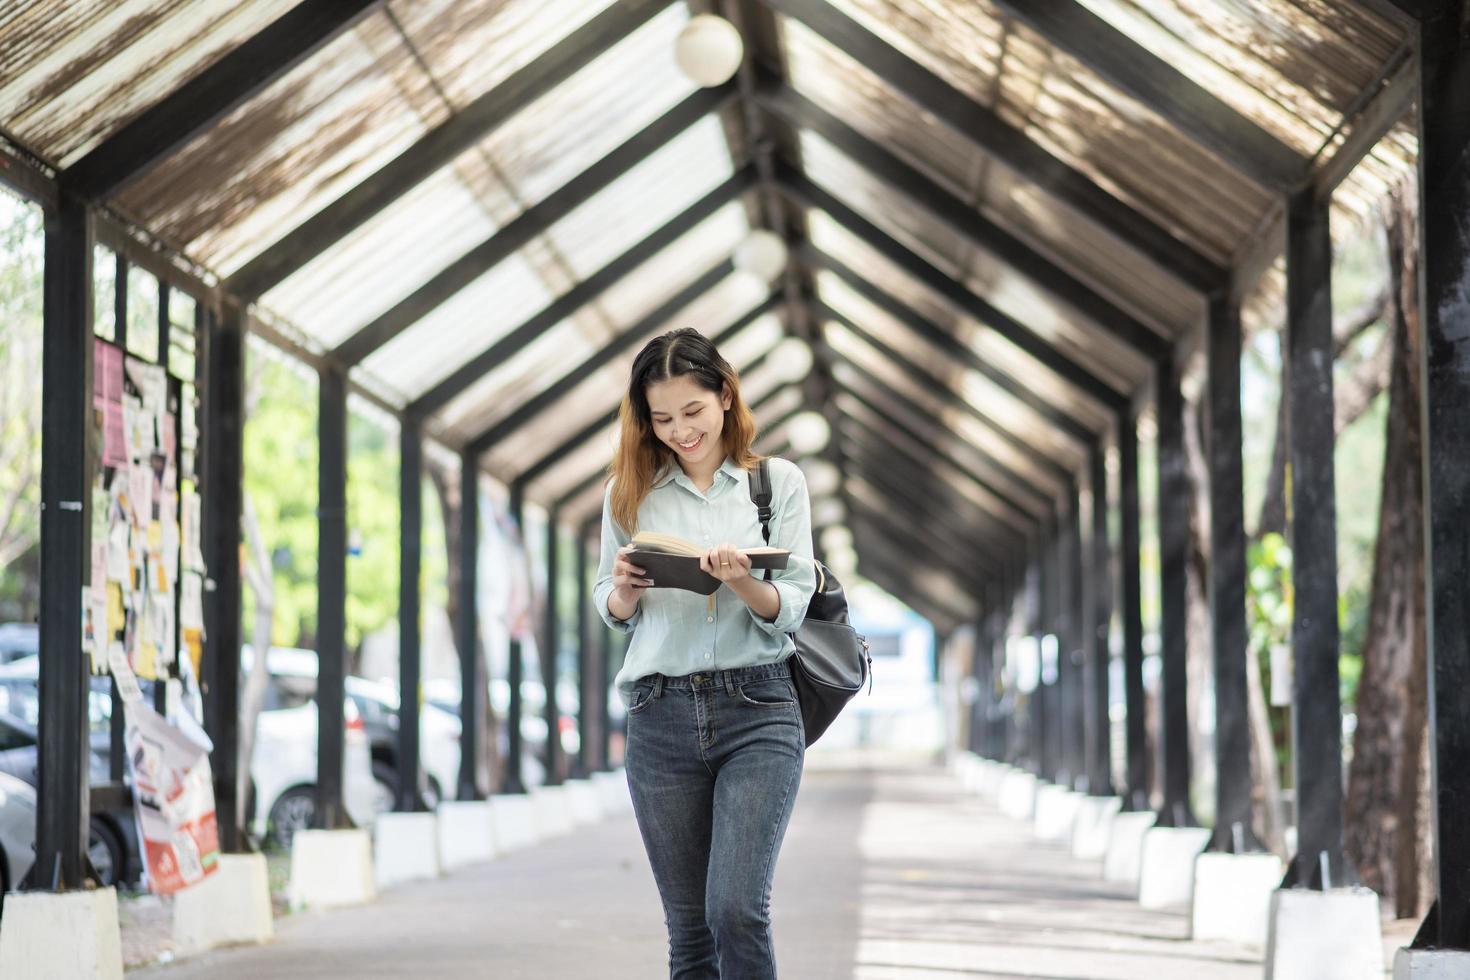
[[832, 662]]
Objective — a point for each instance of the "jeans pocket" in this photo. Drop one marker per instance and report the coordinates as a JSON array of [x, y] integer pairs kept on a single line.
[[768, 692], [642, 697]]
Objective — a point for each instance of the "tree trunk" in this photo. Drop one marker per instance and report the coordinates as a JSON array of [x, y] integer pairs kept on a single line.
[[1383, 800], [488, 772]]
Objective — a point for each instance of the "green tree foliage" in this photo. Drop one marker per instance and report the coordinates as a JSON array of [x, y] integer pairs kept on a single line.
[[281, 458], [21, 263]]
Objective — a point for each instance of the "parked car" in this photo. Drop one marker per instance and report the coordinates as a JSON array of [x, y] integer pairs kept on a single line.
[[19, 640], [283, 769], [112, 843], [17, 831], [378, 703]]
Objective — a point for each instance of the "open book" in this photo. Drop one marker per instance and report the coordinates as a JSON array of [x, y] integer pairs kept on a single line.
[[673, 563]]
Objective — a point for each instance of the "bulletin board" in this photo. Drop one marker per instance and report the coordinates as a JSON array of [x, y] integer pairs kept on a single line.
[[143, 601]]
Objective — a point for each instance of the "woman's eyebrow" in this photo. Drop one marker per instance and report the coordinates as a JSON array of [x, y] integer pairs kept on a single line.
[[654, 411]]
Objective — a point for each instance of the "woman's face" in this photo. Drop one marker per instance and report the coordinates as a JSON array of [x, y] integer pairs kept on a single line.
[[688, 419]]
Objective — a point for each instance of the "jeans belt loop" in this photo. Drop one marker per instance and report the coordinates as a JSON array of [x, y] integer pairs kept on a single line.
[[729, 683], [658, 685]]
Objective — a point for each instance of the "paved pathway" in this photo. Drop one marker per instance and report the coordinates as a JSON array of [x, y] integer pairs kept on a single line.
[[886, 873]]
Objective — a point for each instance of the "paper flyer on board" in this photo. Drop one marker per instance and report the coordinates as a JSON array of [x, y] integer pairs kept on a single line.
[[173, 789]]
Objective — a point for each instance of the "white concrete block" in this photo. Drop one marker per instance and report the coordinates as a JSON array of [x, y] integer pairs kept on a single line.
[[1431, 964], [1056, 812], [466, 833], [514, 820], [553, 811], [1232, 896], [230, 906], [1093, 827], [991, 781], [405, 847], [1332, 935], [1124, 858], [66, 936], [1166, 873], [583, 802], [331, 868], [1018, 795], [612, 792]]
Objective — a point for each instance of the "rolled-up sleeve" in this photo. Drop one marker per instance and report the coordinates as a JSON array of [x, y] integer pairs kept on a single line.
[[613, 538], [791, 528]]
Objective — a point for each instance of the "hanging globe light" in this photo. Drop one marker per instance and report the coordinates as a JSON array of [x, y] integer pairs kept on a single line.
[[809, 433], [762, 254], [828, 510], [791, 359], [822, 478], [708, 50], [837, 538]]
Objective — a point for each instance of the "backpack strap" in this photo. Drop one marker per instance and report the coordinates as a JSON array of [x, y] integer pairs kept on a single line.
[[760, 495]]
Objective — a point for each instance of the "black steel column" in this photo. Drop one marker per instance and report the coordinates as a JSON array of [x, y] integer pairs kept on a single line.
[[515, 670], [222, 499], [1316, 708], [1173, 565], [331, 602], [1074, 692], [604, 645], [550, 649], [1444, 201], [1099, 653], [410, 565], [1233, 832], [1038, 722], [66, 440], [1132, 615], [473, 696], [586, 665]]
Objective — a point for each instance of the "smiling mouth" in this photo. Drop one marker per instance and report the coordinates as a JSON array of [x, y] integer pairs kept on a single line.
[[690, 447]]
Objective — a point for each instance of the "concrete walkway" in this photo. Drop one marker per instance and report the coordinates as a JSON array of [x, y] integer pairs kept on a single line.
[[888, 872]]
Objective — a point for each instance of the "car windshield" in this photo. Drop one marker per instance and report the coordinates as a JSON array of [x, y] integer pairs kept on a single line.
[[20, 699]]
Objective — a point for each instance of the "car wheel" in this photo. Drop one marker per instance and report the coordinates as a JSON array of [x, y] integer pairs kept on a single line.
[[385, 787], [105, 851], [294, 810]]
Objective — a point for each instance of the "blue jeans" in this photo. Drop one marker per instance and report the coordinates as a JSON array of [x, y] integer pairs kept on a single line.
[[713, 762]]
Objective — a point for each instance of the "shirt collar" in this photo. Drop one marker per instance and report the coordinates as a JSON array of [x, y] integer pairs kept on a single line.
[[672, 471]]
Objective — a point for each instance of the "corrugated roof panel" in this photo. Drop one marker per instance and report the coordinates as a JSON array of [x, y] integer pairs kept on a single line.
[[643, 199], [1065, 326], [1293, 70], [986, 343], [590, 328], [455, 38], [949, 418], [472, 320], [1013, 201], [299, 145], [994, 401], [72, 72], [1058, 102], [315, 133], [559, 135], [385, 259]]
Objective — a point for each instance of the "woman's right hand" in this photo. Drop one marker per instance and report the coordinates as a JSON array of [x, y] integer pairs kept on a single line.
[[628, 581]]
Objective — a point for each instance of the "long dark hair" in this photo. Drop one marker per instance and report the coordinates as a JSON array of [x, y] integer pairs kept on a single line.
[[640, 455]]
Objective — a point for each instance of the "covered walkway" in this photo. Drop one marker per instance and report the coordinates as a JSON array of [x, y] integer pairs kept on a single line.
[[891, 871]]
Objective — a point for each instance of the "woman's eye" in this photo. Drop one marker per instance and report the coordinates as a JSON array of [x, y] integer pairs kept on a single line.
[[695, 412]]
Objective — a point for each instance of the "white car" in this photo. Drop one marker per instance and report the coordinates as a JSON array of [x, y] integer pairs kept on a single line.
[[283, 768], [439, 733], [17, 830]]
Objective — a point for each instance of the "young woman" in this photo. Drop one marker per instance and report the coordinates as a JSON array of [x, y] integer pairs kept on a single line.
[[715, 739]]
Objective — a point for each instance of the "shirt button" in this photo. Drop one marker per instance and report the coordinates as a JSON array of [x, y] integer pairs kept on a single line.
[[709, 619], [706, 656]]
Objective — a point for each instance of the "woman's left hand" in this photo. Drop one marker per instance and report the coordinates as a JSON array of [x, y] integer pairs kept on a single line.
[[726, 563]]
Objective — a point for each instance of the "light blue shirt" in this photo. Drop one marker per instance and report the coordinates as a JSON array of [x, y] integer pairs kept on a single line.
[[676, 632]]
